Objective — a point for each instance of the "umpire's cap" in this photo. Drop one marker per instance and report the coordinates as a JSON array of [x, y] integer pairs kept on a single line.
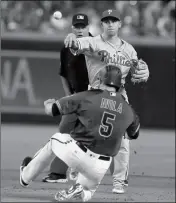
[[80, 18], [111, 76], [110, 14]]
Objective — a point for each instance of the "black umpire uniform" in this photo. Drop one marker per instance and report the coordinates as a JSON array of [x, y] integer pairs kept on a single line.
[[74, 70]]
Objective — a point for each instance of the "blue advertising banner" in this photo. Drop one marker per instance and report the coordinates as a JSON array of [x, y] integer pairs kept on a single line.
[[28, 78]]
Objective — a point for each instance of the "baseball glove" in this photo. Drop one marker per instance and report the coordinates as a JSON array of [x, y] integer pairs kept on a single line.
[[139, 71]]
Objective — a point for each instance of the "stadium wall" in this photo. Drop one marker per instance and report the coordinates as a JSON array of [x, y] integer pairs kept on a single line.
[[29, 75]]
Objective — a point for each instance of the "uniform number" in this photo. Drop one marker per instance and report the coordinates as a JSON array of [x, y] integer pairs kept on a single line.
[[106, 127]]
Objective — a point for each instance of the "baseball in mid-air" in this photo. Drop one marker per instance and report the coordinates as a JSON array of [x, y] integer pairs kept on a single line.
[[57, 15]]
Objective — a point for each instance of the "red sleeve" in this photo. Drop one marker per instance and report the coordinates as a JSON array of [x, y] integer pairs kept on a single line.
[[68, 104]]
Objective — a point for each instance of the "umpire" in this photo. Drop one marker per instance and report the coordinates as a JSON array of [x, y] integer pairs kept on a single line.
[[74, 76]]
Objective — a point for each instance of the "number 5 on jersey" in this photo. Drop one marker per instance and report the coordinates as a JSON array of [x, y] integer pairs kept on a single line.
[[106, 126]]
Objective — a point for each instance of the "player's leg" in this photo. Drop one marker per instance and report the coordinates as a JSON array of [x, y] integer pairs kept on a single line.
[[84, 189], [91, 179], [89, 185], [41, 159], [92, 171], [57, 145], [58, 169], [117, 160], [120, 166]]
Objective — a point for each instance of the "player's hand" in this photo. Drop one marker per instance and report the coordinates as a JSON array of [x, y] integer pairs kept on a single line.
[[71, 42], [141, 73], [49, 101], [48, 106]]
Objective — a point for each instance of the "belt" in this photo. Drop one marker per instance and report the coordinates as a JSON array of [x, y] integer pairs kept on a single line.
[[80, 145]]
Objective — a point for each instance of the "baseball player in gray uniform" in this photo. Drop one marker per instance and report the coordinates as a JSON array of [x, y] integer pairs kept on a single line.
[[104, 49]]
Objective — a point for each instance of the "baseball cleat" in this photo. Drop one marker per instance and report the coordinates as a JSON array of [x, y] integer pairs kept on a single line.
[[118, 189], [74, 192], [55, 178], [23, 165], [125, 183]]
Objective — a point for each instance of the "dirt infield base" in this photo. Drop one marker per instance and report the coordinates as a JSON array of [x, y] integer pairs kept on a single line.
[[140, 189], [152, 167]]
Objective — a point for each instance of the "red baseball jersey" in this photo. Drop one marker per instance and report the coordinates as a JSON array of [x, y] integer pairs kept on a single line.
[[102, 119]]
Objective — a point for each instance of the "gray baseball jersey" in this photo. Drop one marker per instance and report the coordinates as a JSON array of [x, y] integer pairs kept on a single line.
[[100, 53]]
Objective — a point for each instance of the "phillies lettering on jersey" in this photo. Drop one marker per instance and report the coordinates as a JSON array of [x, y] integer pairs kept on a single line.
[[116, 59], [99, 53]]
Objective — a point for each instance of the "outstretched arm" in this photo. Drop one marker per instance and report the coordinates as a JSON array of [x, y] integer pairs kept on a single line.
[[71, 42], [63, 106], [83, 45]]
